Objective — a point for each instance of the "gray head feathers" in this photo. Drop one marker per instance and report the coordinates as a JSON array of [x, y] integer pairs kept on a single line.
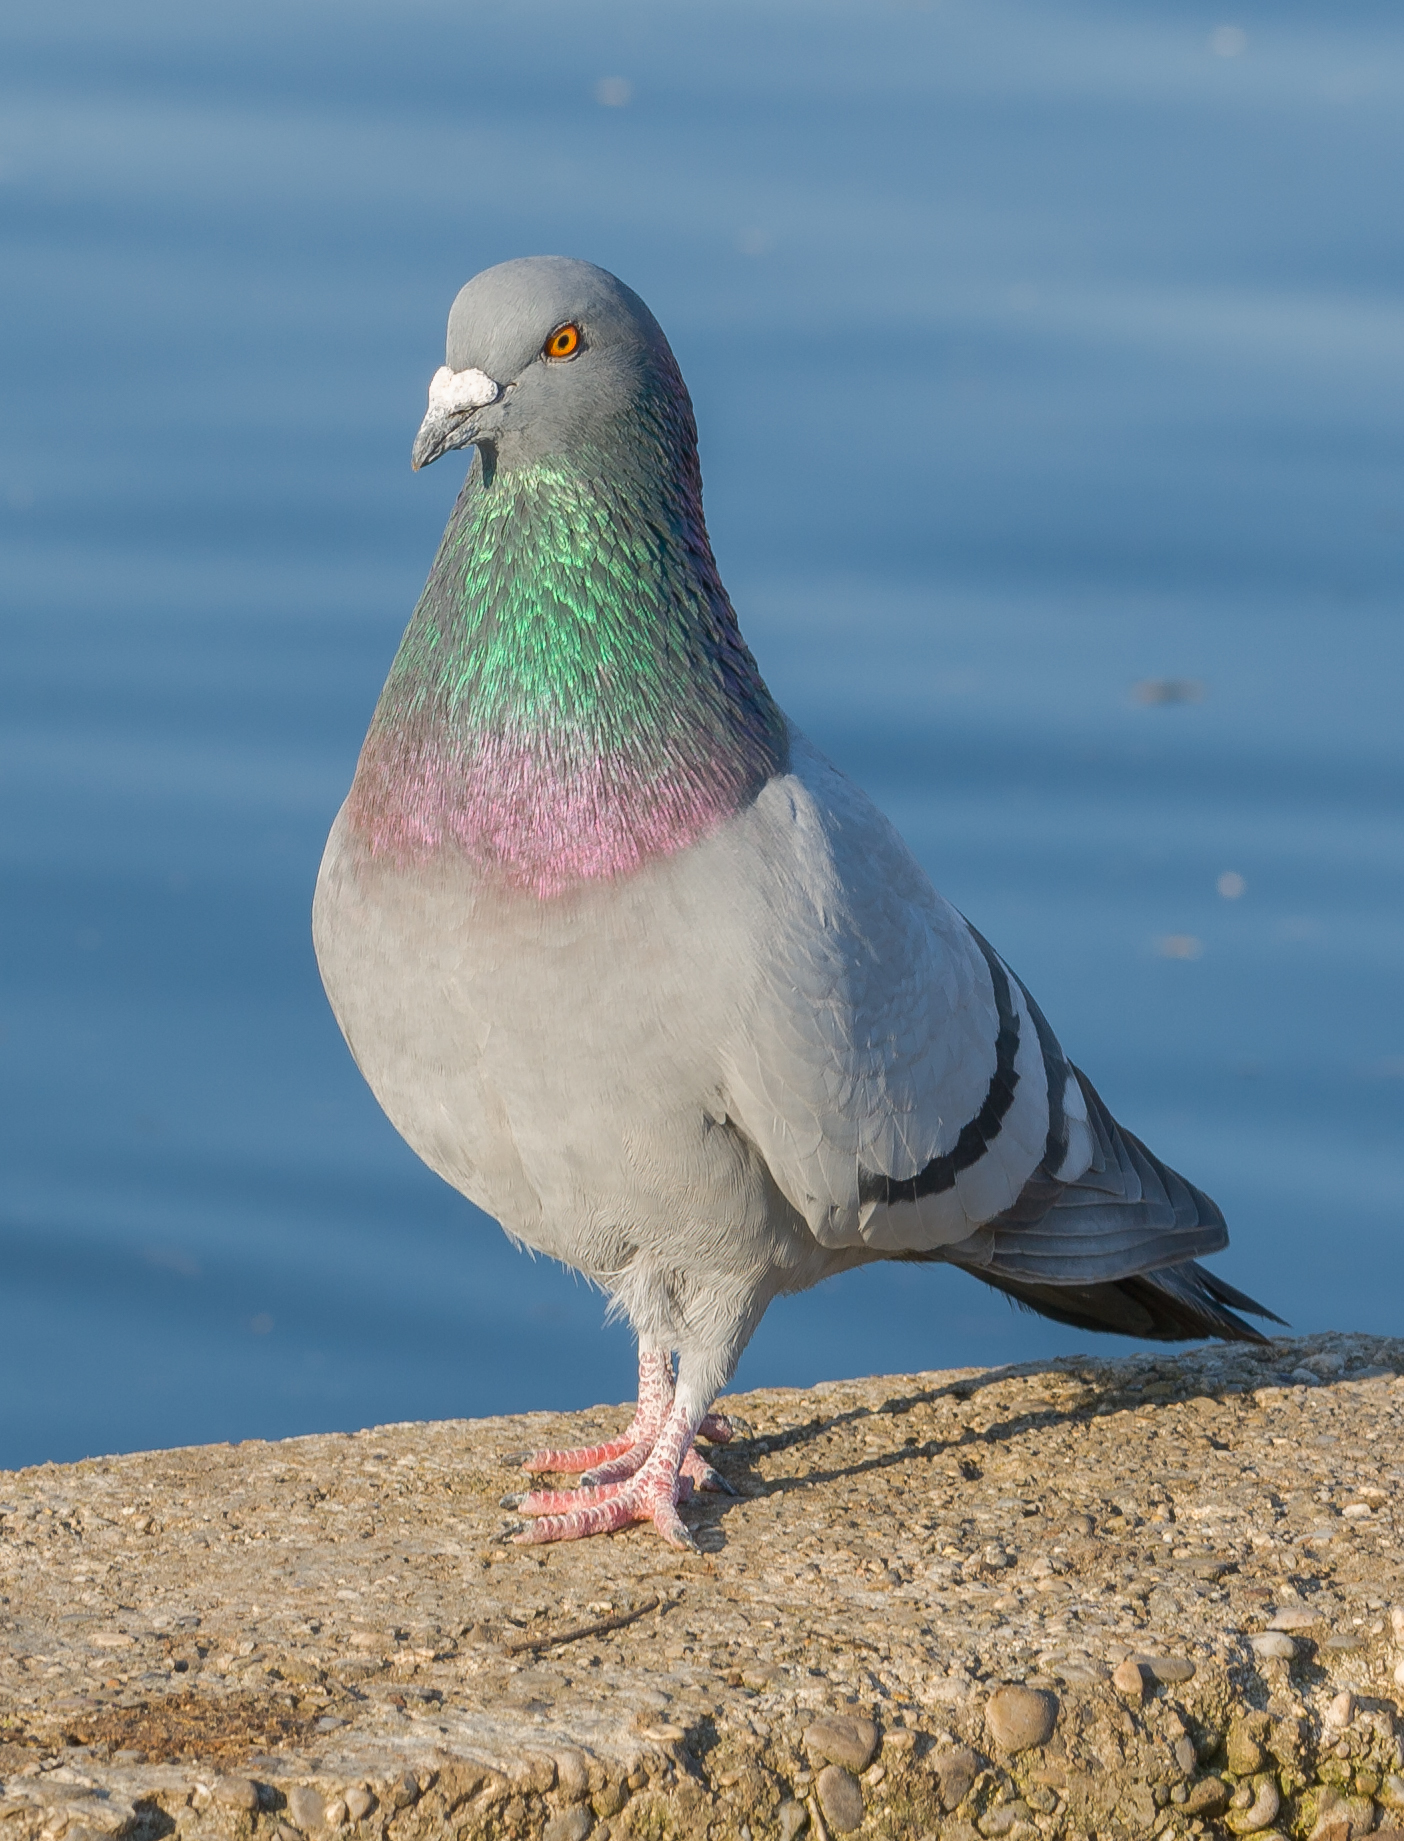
[[505, 327]]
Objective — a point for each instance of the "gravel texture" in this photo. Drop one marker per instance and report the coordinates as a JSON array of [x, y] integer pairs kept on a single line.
[[1188, 1567]]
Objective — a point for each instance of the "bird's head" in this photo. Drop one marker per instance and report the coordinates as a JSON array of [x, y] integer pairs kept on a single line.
[[546, 356]]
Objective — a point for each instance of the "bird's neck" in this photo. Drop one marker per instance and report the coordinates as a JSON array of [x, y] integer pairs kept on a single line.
[[572, 695]]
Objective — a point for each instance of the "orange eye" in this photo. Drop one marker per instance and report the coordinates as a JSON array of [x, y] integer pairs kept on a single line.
[[564, 342]]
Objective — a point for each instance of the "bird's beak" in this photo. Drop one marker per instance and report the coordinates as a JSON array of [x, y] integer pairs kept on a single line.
[[454, 399]]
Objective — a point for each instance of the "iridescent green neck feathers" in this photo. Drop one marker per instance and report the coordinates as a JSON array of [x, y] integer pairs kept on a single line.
[[572, 695]]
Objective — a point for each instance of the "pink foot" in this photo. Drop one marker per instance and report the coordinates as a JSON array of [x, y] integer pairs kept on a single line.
[[620, 1458], [664, 1479], [572, 1515]]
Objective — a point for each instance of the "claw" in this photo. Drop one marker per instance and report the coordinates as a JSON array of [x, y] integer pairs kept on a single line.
[[704, 1476], [512, 1500]]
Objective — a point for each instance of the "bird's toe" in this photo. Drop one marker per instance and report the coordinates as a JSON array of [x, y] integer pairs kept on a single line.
[[674, 1530], [619, 1469], [577, 1514], [566, 1501], [582, 1458]]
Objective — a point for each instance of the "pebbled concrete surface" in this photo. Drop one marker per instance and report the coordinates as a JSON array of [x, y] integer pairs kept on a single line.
[[1191, 1563]]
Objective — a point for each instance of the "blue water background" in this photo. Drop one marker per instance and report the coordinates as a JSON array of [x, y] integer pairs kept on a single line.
[[1040, 352]]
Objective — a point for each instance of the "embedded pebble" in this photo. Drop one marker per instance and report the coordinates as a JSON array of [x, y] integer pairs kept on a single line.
[[1168, 1669], [610, 1800], [1293, 1617], [403, 1791], [1341, 1816], [305, 1807], [792, 1819], [569, 1825], [1341, 1710], [1019, 1718], [1209, 1797], [956, 1770], [1261, 1811], [1128, 1680], [1274, 1646], [840, 1798], [359, 1803], [236, 1792], [852, 1743], [572, 1776], [1245, 1755]]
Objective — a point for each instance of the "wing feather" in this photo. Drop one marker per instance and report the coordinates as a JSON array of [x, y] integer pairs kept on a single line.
[[883, 1035]]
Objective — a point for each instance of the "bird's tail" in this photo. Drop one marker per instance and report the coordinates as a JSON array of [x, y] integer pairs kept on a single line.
[[1115, 1248], [1173, 1304]]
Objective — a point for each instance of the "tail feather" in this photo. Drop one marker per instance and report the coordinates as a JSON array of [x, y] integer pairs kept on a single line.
[[1128, 1213], [1116, 1249], [1174, 1304]]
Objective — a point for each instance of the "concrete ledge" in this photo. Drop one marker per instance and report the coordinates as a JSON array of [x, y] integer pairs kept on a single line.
[[1183, 1571]]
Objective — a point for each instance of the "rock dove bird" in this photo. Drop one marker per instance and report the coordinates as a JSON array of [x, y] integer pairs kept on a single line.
[[631, 964]]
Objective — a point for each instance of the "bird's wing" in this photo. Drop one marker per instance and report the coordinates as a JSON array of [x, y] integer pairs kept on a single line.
[[900, 1083], [904, 1088]]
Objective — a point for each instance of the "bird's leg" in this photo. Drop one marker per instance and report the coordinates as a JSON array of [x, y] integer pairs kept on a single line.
[[655, 1397], [624, 1456], [651, 1494], [655, 1400]]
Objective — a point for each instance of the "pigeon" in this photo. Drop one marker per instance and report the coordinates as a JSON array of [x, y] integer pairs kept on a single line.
[[632, 965]]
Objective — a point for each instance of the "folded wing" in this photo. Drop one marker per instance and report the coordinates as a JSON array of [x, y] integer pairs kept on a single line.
[[909, 1096]]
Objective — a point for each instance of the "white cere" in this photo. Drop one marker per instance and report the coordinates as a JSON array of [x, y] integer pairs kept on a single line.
[[451, 391]]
